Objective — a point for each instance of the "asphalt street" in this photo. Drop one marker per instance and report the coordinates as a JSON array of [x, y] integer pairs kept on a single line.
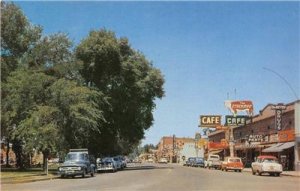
[[165, 177]]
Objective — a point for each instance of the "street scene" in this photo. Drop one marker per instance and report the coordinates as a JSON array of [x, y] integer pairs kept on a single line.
[[139, 95]]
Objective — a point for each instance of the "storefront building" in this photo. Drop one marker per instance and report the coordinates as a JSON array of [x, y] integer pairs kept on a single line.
[[264, 136], [169, 147]]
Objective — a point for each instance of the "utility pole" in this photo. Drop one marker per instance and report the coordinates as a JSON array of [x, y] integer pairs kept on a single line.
[[174, 144]]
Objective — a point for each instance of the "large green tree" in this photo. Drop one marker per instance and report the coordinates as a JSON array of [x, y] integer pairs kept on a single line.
[[130, 82]]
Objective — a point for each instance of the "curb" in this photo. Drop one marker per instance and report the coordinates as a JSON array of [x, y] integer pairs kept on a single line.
[[28, 180]]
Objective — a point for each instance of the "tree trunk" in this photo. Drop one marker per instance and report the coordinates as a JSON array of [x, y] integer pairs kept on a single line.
[[7, 153], [45, 157]]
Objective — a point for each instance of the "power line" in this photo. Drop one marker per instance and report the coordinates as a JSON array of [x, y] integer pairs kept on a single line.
[[297, 98]]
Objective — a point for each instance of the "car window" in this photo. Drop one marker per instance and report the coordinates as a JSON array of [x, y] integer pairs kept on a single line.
[[269, 160], [74, 156], [234, 160]]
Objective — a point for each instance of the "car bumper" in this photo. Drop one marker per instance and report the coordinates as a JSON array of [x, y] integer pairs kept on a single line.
[[234, 168], [105, 168], [71, 173]]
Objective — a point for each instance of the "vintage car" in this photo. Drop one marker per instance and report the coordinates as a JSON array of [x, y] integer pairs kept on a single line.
[[106, 164], [190, 161], [266, 164], [198, 162], [163, 160], [213, 161], [77, 162], [232, 163], [118, 162]]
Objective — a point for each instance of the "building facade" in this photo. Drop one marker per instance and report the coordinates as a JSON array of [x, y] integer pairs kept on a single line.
[[265, 134], [169, 147]]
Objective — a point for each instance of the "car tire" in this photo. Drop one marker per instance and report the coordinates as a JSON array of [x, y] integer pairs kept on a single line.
[[92, 173], [83, 173], [259, 173], [253, 172], [62, 176]]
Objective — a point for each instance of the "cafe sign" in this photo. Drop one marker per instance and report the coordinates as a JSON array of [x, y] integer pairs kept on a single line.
[[210, 120], [238, 120]]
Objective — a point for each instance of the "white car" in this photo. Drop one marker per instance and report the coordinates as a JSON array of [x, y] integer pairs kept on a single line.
[[266, 164], [163, 160]]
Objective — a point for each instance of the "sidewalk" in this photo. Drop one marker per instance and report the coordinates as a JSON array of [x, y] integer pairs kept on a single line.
[[284, 173]]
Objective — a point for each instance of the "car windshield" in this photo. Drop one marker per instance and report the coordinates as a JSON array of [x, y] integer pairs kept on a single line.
[[234, 160], [191, 159], [199, 159], [106, 160], [74, 157], [270, 160]]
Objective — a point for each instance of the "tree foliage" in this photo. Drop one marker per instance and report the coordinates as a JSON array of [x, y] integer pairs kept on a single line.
[[100, 95], [131, 84]]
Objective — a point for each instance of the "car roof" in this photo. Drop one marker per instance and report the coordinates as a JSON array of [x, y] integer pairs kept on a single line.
[[267, 156], [233, 157]]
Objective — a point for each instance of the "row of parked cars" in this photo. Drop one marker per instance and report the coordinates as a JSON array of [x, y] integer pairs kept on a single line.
[[78, 162], [262, 164]]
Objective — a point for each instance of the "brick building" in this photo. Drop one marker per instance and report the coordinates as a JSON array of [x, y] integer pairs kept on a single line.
[[261, 136], [169, 147]]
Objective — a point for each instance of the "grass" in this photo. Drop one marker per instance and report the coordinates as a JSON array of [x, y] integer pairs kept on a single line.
[[16, 173]]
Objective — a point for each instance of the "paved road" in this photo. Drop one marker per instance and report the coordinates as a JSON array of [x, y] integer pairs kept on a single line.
[[165, 177]]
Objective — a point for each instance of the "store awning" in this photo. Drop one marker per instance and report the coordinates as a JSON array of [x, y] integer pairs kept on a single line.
[[215, 151], [279, 147]]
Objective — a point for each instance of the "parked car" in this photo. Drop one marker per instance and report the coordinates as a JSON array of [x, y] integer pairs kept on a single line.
[[106, 164], [232, 163], [213, 161], [77, 162], [266, 164], [163, 160], [190, 161], [122, 160], [198, 162], [118, 162]]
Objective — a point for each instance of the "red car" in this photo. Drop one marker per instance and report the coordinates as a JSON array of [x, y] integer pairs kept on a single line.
[[232, 163]]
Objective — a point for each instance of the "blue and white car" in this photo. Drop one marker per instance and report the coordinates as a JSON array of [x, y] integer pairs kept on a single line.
[[106, 164]]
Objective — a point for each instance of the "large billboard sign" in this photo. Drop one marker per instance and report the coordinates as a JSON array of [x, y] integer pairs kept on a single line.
[[238, 106], [238, 120], [210, 120]]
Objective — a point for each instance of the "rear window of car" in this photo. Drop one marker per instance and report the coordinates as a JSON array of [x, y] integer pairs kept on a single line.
[[234, 160]]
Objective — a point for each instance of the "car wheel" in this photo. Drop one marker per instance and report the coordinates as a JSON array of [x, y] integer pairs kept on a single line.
[[259, 173], [62, 176], [83, 173], [226, 169], [253, 172], [92, 172]]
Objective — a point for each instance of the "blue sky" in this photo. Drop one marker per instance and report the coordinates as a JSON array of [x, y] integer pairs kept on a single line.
[[207, 51]]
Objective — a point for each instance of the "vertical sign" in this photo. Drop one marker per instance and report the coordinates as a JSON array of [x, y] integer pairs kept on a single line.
[[278, 115]]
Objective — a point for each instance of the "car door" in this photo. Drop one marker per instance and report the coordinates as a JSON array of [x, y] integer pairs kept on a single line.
[[257, 164]]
